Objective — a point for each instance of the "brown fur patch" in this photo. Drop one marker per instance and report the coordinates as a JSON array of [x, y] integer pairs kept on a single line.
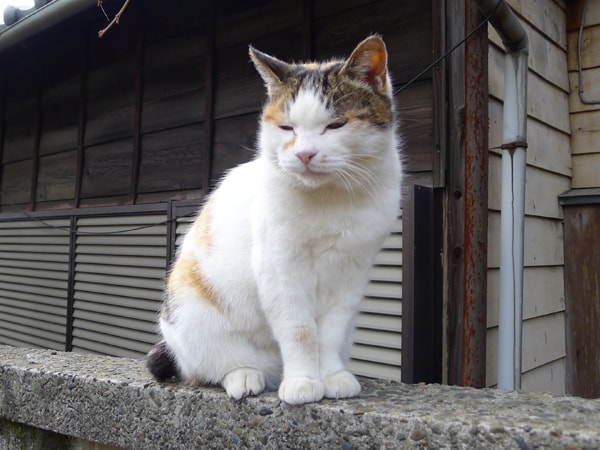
[[273, 112], [187, 272], [306, 338], [196, 381]]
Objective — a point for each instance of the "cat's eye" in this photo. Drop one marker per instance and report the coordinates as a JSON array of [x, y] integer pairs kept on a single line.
[[335, 125], [286, 128]]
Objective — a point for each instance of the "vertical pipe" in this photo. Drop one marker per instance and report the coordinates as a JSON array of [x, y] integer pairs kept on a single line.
[[512, 223], [476, 199]]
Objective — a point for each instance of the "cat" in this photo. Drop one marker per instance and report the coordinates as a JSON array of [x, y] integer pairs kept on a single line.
[[268, 280]]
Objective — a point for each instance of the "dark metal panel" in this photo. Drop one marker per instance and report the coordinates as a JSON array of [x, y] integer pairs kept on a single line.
[[422, 329]]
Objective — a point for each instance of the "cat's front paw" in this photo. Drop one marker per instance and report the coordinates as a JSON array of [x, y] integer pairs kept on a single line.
[[341, 385], [240, 383], [300, 390]]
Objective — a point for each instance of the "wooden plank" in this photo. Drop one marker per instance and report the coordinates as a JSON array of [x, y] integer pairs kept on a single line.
[[398, 22], [590, 53], [16, 182], [19, 132], [107, 169], [247, 21], [543, 292], [582, 282], [586, 170], [591, 90], [60, 111], [173, 81], [56, 177], [550, 18], [172, 160], [543, 340], [547, 378], [543, 241], [544, 56], [585, 132], [110, 98]]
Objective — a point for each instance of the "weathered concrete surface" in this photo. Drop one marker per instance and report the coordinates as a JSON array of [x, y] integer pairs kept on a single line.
[[115, 401]]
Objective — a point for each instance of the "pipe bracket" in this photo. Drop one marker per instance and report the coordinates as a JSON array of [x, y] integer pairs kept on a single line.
[[513, 145]]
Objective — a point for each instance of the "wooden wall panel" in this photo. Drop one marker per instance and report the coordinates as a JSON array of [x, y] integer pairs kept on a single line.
[[173, 82], [107, 169], [172, 160], [56, 177]]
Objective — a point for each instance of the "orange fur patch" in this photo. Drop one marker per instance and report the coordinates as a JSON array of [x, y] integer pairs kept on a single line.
[[273, 112], [187, 272], [290, 143]]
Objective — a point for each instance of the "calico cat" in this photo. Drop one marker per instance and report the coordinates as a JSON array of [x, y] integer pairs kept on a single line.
[[268, 280]]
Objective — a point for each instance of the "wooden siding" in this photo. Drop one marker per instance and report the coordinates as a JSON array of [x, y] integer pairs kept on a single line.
[[585, 118], [548, 175]]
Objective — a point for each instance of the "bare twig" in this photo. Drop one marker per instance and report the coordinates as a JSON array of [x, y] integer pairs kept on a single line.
[[115, 19]]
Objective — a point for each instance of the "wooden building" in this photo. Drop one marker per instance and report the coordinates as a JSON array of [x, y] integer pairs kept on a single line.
[[108, 146]]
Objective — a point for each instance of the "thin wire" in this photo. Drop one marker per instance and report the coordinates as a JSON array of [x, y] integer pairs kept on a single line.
[[449, 52], [69, 230]]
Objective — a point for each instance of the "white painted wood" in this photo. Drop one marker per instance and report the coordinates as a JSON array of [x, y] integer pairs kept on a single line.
[[590, 51], [543, 241], [543, 340], [543, 292], [585, 137], [586, 170], [547, 378], [544, 15], [591, 90]]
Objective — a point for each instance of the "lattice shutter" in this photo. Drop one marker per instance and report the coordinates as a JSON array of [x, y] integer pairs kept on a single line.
[[34, 268], [378, 336], [118, 284]]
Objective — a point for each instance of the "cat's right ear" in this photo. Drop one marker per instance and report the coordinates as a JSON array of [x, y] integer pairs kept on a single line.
[[272, 70]]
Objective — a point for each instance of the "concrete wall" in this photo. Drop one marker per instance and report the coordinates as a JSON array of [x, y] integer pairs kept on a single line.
[[86, 399]]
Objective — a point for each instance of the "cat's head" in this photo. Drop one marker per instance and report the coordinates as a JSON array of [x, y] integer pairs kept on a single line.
[[330, 122]]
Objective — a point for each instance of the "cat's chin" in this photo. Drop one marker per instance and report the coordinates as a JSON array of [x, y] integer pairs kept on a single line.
[[313, 180]]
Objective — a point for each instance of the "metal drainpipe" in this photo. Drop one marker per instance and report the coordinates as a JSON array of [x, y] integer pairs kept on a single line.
[[514, 146], [40, 20]]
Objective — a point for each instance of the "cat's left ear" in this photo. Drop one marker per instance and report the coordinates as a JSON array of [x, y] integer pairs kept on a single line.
[[368, 62], [272, 70]]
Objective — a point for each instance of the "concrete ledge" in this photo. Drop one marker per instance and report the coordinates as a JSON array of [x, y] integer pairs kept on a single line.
[[115, 402]]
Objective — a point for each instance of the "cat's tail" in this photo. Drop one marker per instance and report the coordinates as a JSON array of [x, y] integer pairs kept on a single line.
[[161, 362]]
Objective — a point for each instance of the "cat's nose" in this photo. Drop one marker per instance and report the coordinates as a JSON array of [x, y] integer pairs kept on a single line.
[[306, 156]]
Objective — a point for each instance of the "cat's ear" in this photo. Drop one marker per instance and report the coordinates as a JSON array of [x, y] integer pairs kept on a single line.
[[272, 70], [368, 62]]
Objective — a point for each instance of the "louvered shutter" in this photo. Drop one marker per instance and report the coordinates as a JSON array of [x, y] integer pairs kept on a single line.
[[378, 336], [118, 283], [34, 267]]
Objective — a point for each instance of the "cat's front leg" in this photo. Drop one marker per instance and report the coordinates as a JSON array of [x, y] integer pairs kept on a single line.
[[290, 316], [336, 327], [299, 347]]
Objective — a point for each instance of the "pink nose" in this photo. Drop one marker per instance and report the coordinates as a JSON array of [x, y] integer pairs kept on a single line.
[[305, 156]]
